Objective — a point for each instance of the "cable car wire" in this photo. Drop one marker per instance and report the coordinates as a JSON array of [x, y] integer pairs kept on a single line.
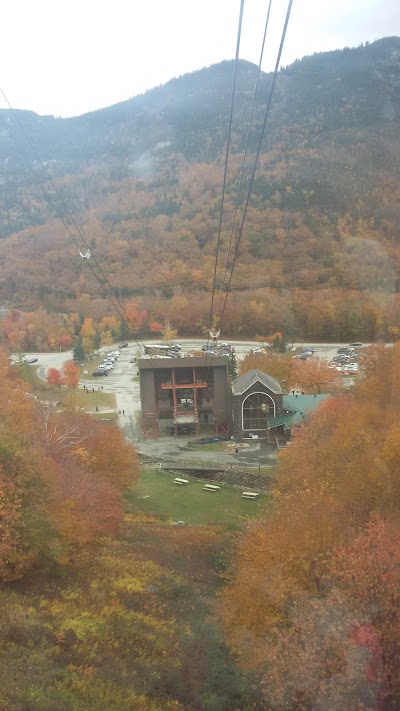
[[228, 143], [242, 171], [266, 115]]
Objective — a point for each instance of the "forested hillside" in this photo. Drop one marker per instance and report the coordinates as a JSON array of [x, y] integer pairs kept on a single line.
[[320, 250], [313, 601]]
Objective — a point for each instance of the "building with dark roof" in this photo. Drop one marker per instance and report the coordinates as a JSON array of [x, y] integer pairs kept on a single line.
[[256, 398], [191, 395], [185, 395]]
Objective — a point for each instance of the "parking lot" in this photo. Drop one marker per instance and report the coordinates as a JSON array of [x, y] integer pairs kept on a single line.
[[122, 380]]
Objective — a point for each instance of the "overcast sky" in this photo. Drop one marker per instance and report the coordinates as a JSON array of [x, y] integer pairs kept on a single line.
[[66, 57]]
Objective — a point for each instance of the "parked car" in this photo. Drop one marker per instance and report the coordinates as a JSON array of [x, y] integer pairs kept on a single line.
[[31, 360], [349, 369], [97, 373], [17, 359], [123, 345], [341, 359], [356, 344]]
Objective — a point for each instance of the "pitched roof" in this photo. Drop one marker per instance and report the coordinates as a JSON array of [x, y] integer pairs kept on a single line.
[[303, 403], [245, 381], [296, 409]]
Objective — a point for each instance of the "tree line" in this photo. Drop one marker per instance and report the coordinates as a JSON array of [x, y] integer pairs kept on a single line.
[[313, 601]]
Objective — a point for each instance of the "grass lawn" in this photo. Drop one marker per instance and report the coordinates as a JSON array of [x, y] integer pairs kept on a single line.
[[30, 374], [90, 399], [190, 503]]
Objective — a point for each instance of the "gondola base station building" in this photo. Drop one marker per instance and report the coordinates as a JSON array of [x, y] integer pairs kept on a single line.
[[194, 395]]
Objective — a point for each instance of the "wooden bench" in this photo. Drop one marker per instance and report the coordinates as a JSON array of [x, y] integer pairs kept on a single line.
[[211, 487], [249, 495], [181, 482]]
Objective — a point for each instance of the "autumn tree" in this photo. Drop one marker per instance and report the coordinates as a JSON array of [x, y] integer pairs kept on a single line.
[[313, 374], [88, 335], [324, 658], [54, 377], [71, 374], [278, 366], [324, 537], [136, 319], [10, 529], [168, 332], [368, 571]]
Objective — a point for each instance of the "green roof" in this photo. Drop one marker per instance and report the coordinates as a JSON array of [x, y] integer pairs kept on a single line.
[[297, 409], [303, 403]]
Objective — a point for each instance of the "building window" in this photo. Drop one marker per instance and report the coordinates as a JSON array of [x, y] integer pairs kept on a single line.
[[256, 409]]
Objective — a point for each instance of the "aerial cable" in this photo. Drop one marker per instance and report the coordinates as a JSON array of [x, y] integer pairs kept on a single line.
[[241, 176], [97, 272], [267, 110], [228, 143]]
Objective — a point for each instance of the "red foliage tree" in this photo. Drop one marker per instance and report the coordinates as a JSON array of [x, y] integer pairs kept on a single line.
[[368, 571], [54, 377], [156, 327]]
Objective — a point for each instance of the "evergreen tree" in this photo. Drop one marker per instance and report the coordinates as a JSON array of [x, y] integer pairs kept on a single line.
[[79, 353], [278, 344], [125, 332], [97, 340], [232, 365]]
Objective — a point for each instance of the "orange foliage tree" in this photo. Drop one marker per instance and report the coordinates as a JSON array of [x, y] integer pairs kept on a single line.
[[61, 478], [313, 374], [274, 364], [342, 467], [71, 374]]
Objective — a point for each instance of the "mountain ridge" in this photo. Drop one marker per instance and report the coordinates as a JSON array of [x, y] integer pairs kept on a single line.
[[150, 182]]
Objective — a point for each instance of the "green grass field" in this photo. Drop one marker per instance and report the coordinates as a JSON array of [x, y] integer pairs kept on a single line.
[[190, 503]]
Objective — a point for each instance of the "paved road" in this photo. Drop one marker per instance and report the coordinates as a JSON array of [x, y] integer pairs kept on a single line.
[[124, 382]]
